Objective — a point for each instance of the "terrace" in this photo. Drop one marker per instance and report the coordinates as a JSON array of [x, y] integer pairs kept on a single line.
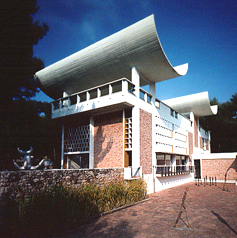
[[118, 92]]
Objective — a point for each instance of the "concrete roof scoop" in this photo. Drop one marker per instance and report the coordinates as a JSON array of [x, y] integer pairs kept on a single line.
[[109, 59], [197, 103]]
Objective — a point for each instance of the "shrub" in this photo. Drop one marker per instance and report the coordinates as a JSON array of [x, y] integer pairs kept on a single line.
[[60, 204]]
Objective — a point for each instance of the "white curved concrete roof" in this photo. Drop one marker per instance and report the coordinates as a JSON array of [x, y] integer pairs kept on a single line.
[[197, 103], [109, 59]]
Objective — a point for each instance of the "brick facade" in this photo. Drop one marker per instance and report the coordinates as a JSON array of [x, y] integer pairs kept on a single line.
[[207, 145], [195, 131], [201, 143], [190, 143], [218, 167], [146, 141], [108, 140]]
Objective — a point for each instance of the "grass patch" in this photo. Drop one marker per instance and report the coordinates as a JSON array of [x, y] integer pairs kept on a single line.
[[61, 205]]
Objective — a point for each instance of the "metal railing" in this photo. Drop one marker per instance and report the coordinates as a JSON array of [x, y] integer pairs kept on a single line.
[[170, 170]]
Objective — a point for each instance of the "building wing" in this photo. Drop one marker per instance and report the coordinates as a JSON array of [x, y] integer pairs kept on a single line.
[[197, 103]]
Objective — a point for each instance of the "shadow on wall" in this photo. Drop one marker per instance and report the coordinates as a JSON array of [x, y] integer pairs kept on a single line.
[[233, 165], [101, 150]]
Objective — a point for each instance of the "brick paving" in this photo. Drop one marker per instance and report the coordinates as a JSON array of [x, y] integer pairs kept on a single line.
[[212, 212]]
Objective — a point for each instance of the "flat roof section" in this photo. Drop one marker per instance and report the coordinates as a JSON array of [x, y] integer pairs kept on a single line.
[[109, 59]]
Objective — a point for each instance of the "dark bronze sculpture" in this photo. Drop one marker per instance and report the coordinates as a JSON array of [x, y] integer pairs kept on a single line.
[[27, 162], [180, 210]]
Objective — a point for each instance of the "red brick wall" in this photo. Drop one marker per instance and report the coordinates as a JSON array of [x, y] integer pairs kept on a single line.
[[218, 167], [207, 145], [146, 141], [190, 142], [195, 131], [200, 143], [108, 140]]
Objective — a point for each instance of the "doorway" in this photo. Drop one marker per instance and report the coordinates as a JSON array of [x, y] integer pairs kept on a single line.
[[197, 165], [128, 158]]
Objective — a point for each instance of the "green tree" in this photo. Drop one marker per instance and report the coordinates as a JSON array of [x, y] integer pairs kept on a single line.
[[18, 34], [223, 126], [23, 123]]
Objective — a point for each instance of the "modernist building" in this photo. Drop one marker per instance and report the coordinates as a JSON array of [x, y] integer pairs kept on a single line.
[[109, 121]]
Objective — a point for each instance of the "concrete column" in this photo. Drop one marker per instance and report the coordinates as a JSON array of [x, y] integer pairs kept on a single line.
[[87, 96], [98, 93], [173, 163], [186, 160], [65, 94], [136, 121], [145, 97], [110, 89], [209, 141], [62, 147], [199, 145], [136, 81], [91, 154], [192, 130], [173, 160], [67, 102], [152, 91], [124, 86], [78, 99]]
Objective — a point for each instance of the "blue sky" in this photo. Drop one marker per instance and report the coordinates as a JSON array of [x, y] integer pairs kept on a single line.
[[199, 32]]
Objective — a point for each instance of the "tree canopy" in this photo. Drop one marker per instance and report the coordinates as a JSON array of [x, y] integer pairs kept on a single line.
[[23, 122], [223, 126], [18, 34]]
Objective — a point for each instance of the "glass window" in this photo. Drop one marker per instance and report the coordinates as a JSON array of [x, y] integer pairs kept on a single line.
[[79, 161], [148, 98], [183, 160], [176, 114], [104, 90], [177, 160], [117, 87], [167, 159], [93, 93], [171, 112], [160, 159], [142, 95]]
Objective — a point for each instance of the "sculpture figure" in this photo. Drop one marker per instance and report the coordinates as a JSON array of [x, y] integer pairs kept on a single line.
[[27, 163], [180, 210]]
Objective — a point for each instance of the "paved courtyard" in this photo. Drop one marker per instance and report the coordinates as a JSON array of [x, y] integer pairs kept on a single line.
[[212, 212]]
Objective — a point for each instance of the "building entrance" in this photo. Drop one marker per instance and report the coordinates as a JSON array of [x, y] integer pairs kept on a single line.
[[197, 165]]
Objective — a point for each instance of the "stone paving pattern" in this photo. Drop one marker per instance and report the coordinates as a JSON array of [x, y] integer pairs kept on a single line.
[[212, 212]]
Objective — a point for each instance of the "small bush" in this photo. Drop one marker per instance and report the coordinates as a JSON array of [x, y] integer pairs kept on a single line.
[[60, 205]]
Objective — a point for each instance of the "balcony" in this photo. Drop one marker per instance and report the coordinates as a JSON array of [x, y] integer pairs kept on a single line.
[[110, 94], [170, 170]]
